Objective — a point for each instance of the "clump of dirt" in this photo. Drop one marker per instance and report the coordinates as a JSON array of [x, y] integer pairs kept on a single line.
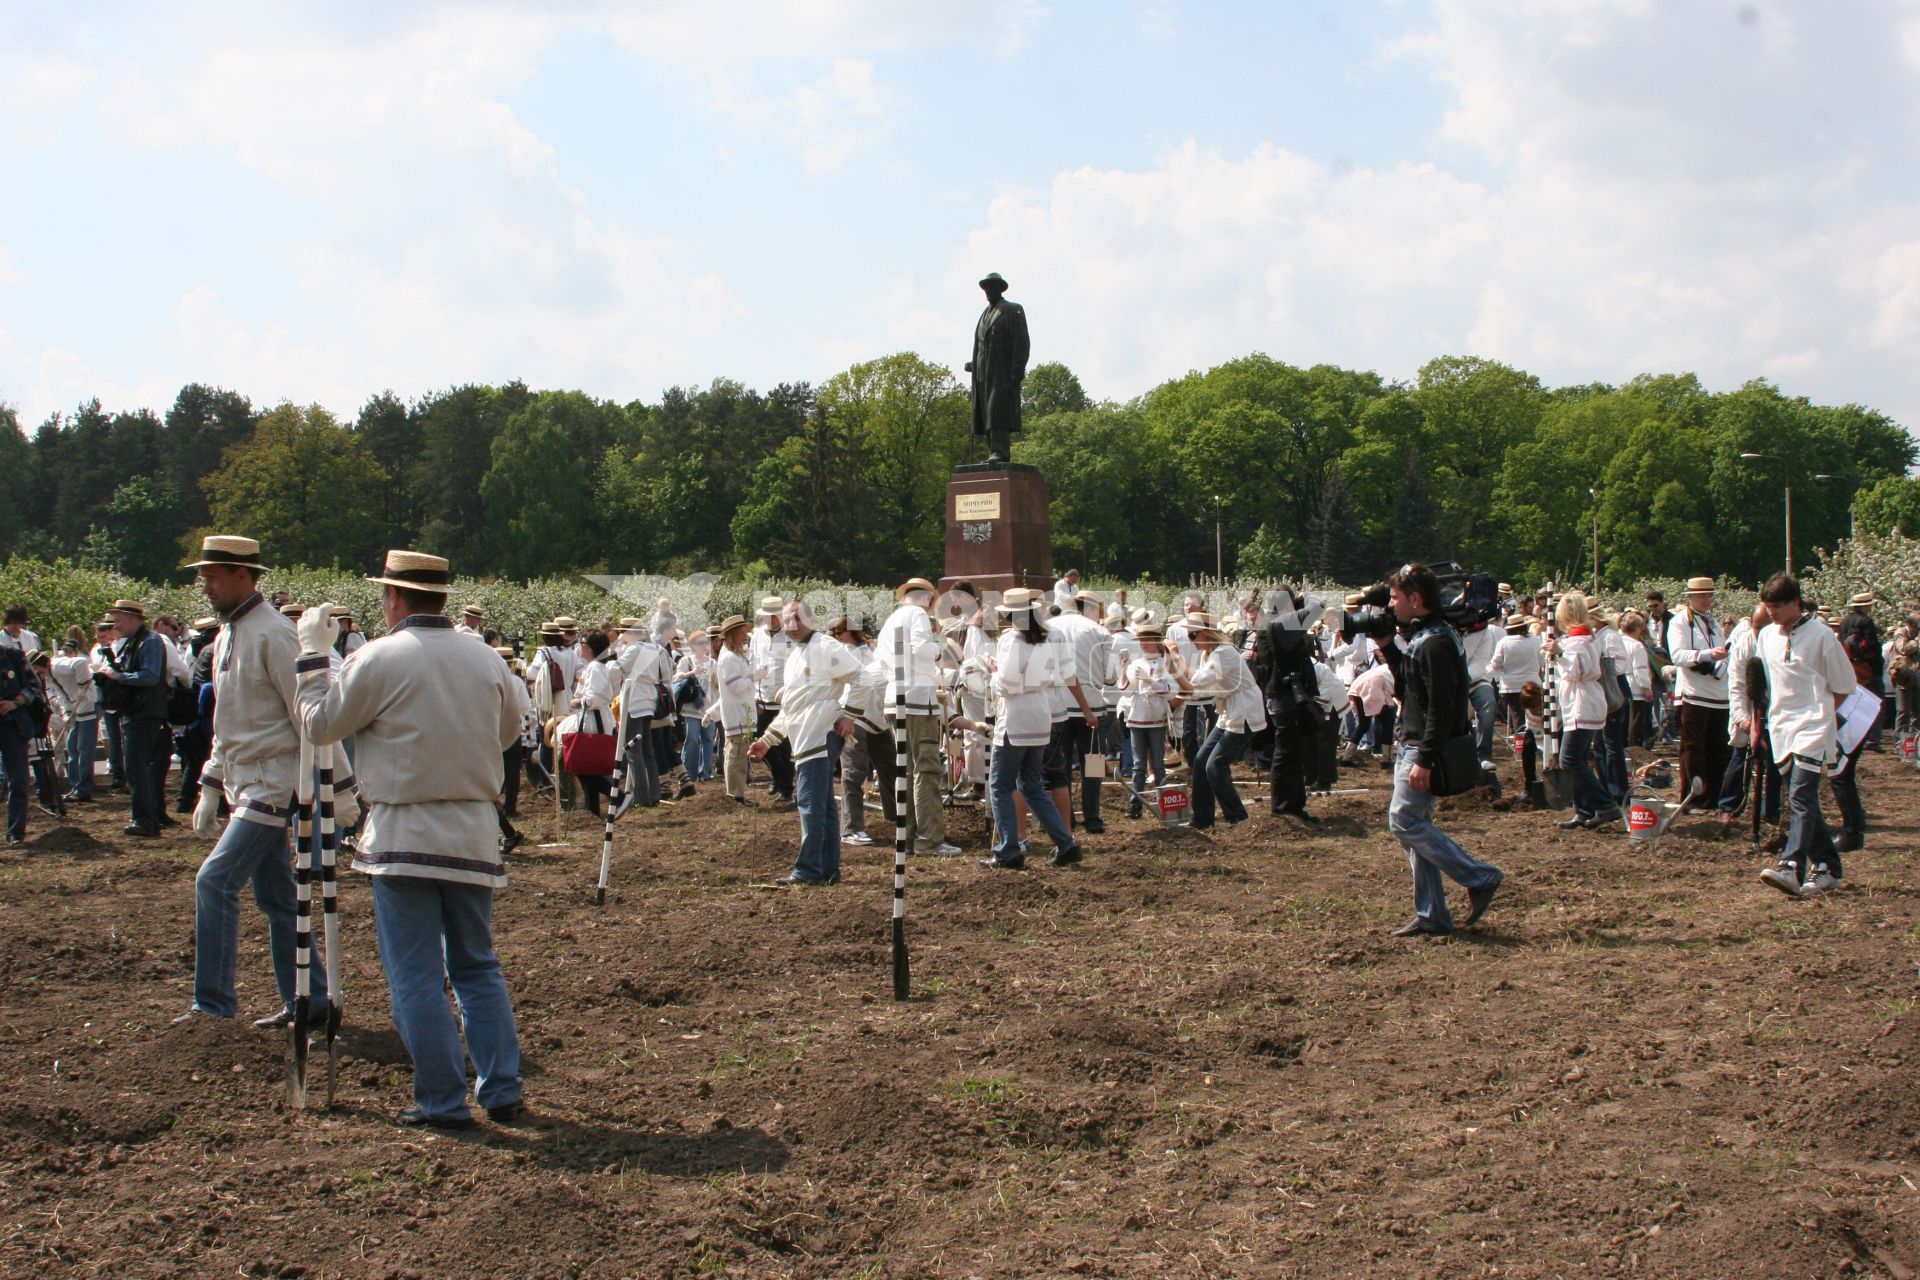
[[65, 839]]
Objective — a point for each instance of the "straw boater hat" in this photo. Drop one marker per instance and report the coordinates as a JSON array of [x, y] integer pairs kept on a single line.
[[1865, 600], [1506, 588], [1517, 625], [912, 584], [292, 610], [1018, 600], [1697, 585], [415, 571], [205, 624], [104, 623], [473, 611], [224, 548], [1200, 621], [1149, 628], [631, 624], [566, 623], [549, 632], [732, 624], [1353, 602], [770, 606], [1086, 597], [133, 607], [504, 651]]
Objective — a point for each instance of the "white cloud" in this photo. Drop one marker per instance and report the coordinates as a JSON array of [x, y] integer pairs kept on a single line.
[[827, 120]]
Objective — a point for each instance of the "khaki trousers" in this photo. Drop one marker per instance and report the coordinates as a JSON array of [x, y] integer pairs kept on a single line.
[[734, 764], [926, 820]]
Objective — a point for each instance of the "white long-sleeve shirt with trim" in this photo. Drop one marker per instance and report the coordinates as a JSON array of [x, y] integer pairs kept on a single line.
[[732, 706], [769, 651], [1689, 637], [255, 760], [914, 665], [430, 713], [1224, 675], [1808, 673], [816, 674], [1024, 675]]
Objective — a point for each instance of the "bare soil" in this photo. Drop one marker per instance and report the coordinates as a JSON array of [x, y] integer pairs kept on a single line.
[[1199, 1055]]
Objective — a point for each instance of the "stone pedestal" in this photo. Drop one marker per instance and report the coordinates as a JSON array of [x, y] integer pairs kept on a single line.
[[999, 535]]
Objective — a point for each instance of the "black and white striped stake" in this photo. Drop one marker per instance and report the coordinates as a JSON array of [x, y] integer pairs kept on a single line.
[[302, 929], [900, 979], [613, 805], [329, 858]]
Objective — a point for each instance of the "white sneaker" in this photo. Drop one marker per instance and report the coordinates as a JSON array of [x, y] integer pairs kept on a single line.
[[945, 849], [1783, 877], [1818, 883], [856, 837]]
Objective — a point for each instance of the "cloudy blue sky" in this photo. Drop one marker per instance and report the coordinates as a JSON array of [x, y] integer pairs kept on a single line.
[[316, 202]]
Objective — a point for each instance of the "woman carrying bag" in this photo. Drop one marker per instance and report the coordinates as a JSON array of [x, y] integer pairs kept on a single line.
[[588, 748], [1583, 704]]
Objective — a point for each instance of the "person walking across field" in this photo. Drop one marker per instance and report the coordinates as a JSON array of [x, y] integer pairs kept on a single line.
[[809, 722], [1808, 677], [1432, 688]]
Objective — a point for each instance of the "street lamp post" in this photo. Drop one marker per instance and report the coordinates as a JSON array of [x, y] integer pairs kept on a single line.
[[1787, 482], [1219, 543]]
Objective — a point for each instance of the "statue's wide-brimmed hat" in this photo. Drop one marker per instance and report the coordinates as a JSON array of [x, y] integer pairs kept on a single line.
[[415, 571], [993, 277], [227, 549]]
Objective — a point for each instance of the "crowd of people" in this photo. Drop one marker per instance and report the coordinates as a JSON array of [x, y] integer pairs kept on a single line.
[[1011, 703]]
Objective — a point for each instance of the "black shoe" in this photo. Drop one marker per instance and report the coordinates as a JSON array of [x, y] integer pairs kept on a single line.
[[1605, 819], [1011, 864], [1133, 813], [512, 841], [166, 820], [72, 798], [1571, 824], [1299, 814], [1849, 842], [1481, 900], [1414, 928], [1093, 826], [506, 1112], [794, 878], [275, 1021], [136, 829], [414, 1118], [1068, 856]]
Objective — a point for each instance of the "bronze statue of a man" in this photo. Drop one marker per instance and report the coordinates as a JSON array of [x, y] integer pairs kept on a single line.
[[999, 365]]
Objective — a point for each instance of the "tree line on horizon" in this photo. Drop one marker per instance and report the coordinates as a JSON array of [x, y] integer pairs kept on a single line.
[[1323, 472]]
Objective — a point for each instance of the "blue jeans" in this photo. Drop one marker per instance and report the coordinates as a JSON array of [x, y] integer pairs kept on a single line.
[[1018, 768], [248, 851], [1735, 785], [1590, 796], [1611, 746], [1196, 722], [1149, 745], [819, 816], [433, 932], [1213, 777], [696, 754], [1486, 706], [116, 747], [1430, 851], [1809, 844], [83, 741]]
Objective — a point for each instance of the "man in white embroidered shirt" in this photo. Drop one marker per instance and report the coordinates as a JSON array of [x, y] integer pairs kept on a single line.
[[1808, 677], [430, 713], [817, 672]]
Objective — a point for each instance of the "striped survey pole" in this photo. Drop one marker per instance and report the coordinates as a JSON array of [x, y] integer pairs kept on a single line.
[[302, 929], [900, 978], [330, 915], [613, 805]]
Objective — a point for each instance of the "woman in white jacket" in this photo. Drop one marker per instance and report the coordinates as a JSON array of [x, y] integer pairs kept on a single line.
[[1024, 671], [592, 702], [1147, 689], [1583, 710]]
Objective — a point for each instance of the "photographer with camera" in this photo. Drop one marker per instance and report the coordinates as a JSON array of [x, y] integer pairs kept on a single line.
[[1432, 688], [1283, 664], [1698, 645]]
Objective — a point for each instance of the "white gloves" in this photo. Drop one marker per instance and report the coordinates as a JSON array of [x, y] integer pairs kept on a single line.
[[346, 809], [206, 814], [317, 629]]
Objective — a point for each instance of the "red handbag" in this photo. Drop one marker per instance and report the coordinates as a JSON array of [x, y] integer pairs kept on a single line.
[[587, 755]]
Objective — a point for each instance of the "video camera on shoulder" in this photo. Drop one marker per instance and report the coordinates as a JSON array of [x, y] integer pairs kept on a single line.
[[1467, 600]]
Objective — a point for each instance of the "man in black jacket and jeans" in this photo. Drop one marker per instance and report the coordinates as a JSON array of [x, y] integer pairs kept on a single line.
[[1432, 687]]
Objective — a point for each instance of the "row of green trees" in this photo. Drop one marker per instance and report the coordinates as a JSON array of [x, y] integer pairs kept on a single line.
[[1324, 472]]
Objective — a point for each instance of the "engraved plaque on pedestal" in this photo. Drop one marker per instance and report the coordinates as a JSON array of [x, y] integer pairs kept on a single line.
[[999, 535]]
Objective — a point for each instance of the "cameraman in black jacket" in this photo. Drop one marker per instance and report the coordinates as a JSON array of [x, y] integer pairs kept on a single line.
[[1283, 664], [1431, 682]]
